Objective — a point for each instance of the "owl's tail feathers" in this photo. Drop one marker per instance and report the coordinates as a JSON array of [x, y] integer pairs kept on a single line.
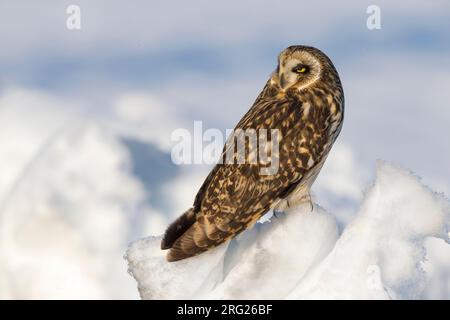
[[200, 237], [194, 241], [185, 247], [187, 237], [178, 228]]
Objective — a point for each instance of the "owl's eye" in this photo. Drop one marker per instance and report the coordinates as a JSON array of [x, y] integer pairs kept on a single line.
[[300, 69]]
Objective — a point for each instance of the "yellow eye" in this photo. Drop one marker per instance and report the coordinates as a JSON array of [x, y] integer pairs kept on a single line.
[[300, 70]]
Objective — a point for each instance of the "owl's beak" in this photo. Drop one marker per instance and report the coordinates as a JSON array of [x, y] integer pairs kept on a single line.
[[283, 82]]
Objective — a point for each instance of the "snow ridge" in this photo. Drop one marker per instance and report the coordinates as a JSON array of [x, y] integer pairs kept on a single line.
[[387, 252]]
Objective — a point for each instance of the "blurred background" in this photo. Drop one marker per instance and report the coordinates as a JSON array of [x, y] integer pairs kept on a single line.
[[86, 117]]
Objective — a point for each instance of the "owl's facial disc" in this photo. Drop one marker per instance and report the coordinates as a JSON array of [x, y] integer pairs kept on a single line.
[[297, 70]]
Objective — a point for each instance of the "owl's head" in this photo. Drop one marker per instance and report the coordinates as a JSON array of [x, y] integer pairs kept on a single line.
[[301, 66]]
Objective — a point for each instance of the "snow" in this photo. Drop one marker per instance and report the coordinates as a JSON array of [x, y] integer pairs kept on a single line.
[[63, 223], [161, 280], [395, 248], [69, 202]]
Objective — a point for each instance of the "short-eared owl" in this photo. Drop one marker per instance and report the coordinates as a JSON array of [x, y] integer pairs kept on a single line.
[[304, 101]]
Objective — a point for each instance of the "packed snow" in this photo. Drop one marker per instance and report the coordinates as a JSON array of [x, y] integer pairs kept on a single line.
[[396, 247]]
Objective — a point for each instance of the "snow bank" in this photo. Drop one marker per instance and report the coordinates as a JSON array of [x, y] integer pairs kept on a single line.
[[389, 251], [70, 202], [381, 253], [161, 280], [62, 224], [258, 260]]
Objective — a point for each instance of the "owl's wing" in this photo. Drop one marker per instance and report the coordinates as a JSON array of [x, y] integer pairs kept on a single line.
[[234, 199], [235, 196]]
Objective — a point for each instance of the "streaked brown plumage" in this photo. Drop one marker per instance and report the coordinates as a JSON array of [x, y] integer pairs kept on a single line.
[[304, 100]]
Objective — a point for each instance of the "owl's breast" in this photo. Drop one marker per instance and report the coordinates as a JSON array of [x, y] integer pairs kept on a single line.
[[311, 124]]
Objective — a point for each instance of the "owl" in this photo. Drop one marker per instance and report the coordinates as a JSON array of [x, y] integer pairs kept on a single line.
[[304, 101]]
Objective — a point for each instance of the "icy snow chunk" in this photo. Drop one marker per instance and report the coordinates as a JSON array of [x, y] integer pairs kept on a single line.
[[280, 253], [437, 269], [185, 279], [380, 254]]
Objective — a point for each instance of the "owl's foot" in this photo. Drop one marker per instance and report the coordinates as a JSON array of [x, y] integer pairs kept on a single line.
[[276, 212], [307, 198], [289, 203], [311, 205]]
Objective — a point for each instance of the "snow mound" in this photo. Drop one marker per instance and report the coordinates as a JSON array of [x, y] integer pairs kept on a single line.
[[72, 196], [380, 254], [390, 250], [62, 224]]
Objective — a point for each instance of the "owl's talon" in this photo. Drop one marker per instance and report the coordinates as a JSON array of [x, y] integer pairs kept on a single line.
[[311, 205]]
